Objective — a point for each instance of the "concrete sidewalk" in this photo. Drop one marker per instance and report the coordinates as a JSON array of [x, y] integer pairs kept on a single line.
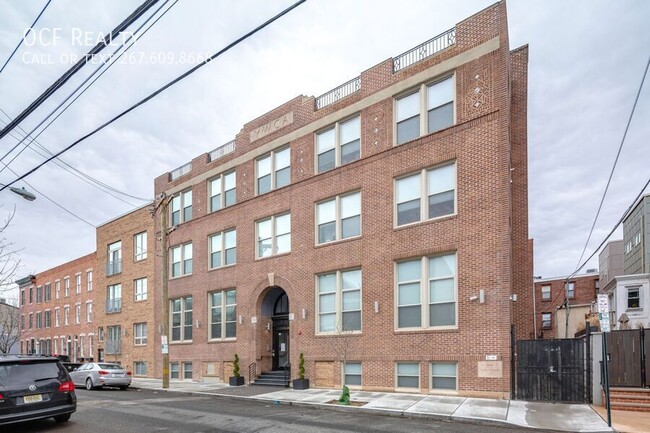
[[563, 417]]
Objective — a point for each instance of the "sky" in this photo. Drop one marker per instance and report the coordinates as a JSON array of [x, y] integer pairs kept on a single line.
[[586, 63]]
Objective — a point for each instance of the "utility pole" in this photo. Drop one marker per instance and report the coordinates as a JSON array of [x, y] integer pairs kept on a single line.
[[163, 207]]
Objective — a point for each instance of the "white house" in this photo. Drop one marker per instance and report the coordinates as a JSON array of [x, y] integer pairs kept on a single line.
[[629, 301]]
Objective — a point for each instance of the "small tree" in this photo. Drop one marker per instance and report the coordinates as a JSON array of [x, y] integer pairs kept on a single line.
[[301, 366], [235, 366]]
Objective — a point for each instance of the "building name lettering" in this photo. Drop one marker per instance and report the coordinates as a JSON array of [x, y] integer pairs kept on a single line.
[[272, 126]]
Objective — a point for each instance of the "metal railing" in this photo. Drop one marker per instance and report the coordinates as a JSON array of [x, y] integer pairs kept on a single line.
[[113, 267], [222, 150], [346, 89], [113, 347], [252, 372], [114, 305], [287, 374], [424, 50], [180, 171]]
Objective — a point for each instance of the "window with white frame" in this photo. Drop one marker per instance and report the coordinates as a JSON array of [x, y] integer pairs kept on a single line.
[[82, 345], [181, 260], [435, 187], [633, 297], [444, 375], [114, 298], [114, 263], [181, 208], [89, 311], [546, 320], [140, 246], [181, 323], [47, 292], [173, 370], [352, 374], [56, 345], [273, 170], [274, 235], [223, 314], [223, 249], [89, 281], [39, 294], [628, 247], [546, 293], [66, 286], [47, 319], [428, 109], [66, 315], [140, 368], [339, 218], [339, 301], [429, 281], [31, 320], [77, 279], [39, 323], [187, 370], [57, 289], [338, 145], [140, 289], [222, 190], [90, 344], [77, 313], [408, 375], [571, 290], [140, 334], [57, 317]]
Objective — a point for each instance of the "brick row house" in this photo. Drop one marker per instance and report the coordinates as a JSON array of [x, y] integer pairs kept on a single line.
[[380, 229]]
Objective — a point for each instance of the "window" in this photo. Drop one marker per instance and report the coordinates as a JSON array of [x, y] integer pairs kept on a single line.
[[223, 249], [77, 313], [47, 292], [546, 320], [39, 294], [274, 235], [439, 275], [90, 345], [57, 317], [181, 258], [39, 320], [637, 239], [114, 298], [223, 314], [114, 340], [22, 298], [140, 289], [181, 311], [140, 246], [47, 319], [570, 290], [222, 190], [339, 218], [66, 286], [443, 375], [427, 110], [77, 279], [31, 320], [339, 301], [339, 144], [57, 289], [114, 264], [89, 281], [140, 334], [436, 187], [66, 315], [546, 293], [628, 247], [408, 375], [187, 370], [173, 370], [633, 297], [273, 170], [140, 368], [352, 374], [100, 332], [181, 208], [89, 311]]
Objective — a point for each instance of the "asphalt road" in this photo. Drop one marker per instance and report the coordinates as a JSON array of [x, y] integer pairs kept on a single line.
[[144, 411]]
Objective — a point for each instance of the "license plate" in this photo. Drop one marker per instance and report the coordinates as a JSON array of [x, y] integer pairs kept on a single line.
[[33, 398]]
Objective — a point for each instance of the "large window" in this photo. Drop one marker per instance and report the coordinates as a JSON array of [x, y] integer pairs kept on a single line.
[[57, 289], [114, 263], [140, 246], [339, 218], [408, 375], [77, 313], [89, 311], [114, 298], [222, 190], [273, 170], [181, 260], [181, 323], [223, 314], [57, 317], [114, 340], [339, 144], [546, 320], [47, 319], [274, 235], [39, 294], [66, 286], [66, 315], [428, 109], [443, 375], [181, 208], [429, 282], [47, 292], [352, 374], [546, 293], [140, 334], [339, 301], [223, 249], [435, 187], [140, 289], [571, 290]]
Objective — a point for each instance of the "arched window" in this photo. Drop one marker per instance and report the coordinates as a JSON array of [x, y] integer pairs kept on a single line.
[[281, 307]]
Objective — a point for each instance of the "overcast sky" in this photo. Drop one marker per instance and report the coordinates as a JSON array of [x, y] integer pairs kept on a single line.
[[586, 63]]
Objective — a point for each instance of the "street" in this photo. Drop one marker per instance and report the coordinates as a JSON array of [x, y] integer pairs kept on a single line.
[[151, 411]]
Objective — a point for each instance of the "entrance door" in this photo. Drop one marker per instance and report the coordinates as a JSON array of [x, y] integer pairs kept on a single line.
[[281, 332]]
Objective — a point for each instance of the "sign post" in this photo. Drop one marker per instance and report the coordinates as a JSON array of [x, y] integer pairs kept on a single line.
[[603, 315]]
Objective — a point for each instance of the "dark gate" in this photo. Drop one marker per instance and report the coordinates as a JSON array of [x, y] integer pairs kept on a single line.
[[625, 348], [552, 370]]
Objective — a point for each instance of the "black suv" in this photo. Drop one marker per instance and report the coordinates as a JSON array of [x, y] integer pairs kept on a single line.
[[34, 387]]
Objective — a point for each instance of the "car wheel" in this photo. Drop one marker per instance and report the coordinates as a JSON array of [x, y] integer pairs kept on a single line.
[[124, 387], [89, 384], [62, 418]]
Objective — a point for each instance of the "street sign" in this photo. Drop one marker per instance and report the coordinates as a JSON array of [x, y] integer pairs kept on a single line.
[[603, 312], [164, 347]]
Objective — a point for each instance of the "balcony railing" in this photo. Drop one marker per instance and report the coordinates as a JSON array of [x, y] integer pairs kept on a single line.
[[113, 347], [222, 150], [424, 50], [113, 267], [180, 171], [346, 89], [114, 305]]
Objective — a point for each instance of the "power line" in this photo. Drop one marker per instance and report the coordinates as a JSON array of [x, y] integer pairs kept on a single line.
[[23, 38], [77, 66], [162, 89]]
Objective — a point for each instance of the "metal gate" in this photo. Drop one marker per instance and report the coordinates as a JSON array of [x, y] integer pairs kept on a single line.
[[552, 370], [626, 357]]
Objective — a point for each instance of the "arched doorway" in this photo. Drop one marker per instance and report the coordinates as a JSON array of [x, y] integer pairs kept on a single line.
[[275, 305]]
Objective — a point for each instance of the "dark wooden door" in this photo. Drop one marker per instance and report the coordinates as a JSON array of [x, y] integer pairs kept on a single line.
[[625, 356]]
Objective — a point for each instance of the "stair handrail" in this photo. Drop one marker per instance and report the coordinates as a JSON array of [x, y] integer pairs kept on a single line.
[[252, 372], [287, 374]]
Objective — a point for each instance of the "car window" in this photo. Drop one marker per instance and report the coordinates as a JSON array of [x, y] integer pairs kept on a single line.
[[110, 366], [21, 372]]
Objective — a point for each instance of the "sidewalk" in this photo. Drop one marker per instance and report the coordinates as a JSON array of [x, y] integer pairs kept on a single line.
[[563, 417]]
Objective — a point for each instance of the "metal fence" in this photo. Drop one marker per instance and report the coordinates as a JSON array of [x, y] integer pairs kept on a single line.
[[180, 171], [424, 50], [345, 89], [222, 150]]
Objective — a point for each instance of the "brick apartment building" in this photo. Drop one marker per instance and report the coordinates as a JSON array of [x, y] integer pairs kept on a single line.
[[383, 224], [57, 310], [550, 306]]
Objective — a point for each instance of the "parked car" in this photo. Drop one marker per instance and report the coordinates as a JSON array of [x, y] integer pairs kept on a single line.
[[35, 387], [71, 366], [99, 374]]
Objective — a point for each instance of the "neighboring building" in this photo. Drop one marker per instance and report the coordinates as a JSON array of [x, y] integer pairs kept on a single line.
[[386, 219], [57, 310], [9, 328], [610, 262], [125, 300], [636, 238], [550, 305]]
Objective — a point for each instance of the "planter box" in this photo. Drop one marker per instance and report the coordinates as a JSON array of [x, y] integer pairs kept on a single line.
[[236, 381], [301, 384]]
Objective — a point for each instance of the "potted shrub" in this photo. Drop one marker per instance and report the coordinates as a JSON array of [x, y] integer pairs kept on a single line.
[[301, 382], [236, 379]]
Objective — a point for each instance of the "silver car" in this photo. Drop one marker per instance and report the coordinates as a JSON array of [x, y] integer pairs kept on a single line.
[[100, 374]]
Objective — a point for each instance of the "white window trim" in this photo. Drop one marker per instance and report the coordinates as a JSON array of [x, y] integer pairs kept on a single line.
[[338, 330], [274, 236], [145, 286], [550, 293], [337, 143], [271, 155], [89, 316], [183, 206], [182, 262], [223, 249], [143, 254], [397, 387], [442, 390], [222, 192], [223, 315], [360, 374], [183, 311], [627, 297], [135, 335], [339, 220]]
